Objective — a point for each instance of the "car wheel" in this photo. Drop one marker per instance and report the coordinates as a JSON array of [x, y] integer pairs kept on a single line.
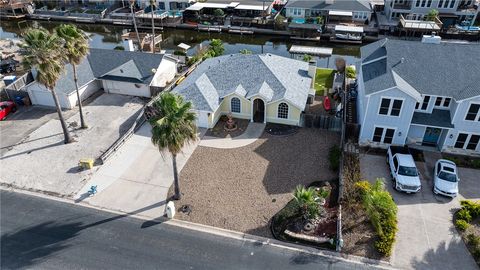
[[14, 109]]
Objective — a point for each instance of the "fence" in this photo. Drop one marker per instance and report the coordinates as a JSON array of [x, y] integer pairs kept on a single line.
[[15, 89], [328, 122]]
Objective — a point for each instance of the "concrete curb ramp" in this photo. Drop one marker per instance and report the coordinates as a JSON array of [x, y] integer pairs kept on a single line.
[[251, 134]]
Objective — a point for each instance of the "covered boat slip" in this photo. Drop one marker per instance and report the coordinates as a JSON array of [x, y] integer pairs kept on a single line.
[[411, 27], [347, 34], [313, 51]]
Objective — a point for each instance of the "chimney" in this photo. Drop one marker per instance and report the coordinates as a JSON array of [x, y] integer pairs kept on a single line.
[[431, 39], [312, 68]]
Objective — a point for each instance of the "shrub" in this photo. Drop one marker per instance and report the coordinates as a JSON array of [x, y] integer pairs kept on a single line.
[[324, 193], [245, 51], [461, 224], [306, 200], [464, 214], [473, 239], [181, 53], [334, 157], [218, 12], [216, 47], [476, 163], [119, 48], [350, 72], [307, 58], [472, 207], [192, 60], [382, 212]]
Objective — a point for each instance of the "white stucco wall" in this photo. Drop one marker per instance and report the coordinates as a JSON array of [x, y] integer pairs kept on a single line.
[[165, 73], [124, 88], [39, 95]]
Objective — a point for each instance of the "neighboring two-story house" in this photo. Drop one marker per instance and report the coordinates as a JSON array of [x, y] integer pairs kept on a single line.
[[420, 93], [355, 10], [450, 11]]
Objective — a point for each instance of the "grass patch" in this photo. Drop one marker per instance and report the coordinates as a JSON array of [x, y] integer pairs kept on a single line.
[[323, 80]]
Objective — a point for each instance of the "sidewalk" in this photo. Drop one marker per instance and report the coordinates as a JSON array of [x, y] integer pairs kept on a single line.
[[137, 178]]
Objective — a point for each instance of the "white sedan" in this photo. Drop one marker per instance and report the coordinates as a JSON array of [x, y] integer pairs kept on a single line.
[[445, 178]]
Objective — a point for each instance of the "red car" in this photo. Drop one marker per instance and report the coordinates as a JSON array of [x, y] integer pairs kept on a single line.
[[6, 107]]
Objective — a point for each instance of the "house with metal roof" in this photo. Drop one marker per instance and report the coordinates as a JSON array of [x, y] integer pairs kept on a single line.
[[421, 94], [112, 71], [261, 88], [351, 10]]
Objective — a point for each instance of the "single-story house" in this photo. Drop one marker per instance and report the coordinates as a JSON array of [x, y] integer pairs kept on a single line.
[[421, 94], [261, 88], [113, 71]]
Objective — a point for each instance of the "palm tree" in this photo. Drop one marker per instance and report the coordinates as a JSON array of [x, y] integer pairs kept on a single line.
[[132, 3], [152, 8], [173, 126], [306, 200], [41, 51], [76, 48]]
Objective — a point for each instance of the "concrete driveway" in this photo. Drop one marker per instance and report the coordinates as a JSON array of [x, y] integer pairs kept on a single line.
[[137, 178], [17, 126], [426, 237]]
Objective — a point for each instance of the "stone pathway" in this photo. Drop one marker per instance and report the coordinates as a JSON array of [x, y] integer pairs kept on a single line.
[[251, 134]]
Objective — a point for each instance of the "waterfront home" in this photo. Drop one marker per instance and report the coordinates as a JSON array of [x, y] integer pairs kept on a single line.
[[333, 10], [451, 12], [262, 88], [112, 71], [421, 94]]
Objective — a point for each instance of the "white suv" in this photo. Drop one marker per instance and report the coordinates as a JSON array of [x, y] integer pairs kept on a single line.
[[446, 179]]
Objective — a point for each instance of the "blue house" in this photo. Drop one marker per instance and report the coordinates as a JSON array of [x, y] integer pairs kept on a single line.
[[420, 94]]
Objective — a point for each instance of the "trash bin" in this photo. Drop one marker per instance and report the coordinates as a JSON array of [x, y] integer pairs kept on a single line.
[[170, 209], [19, 100], [86, 163]]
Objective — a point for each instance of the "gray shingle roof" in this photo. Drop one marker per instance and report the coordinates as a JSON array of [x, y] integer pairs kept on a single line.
[[273, 77], [446, 69], [344, 5], [66, 83], [438, 118]]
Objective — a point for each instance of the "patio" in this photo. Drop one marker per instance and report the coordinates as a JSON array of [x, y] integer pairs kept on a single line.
[[242, 188]]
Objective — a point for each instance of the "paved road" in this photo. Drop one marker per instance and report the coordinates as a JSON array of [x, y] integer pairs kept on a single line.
[[44, 234]]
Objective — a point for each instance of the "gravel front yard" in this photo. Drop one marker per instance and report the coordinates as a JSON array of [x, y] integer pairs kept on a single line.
[[241, 189]]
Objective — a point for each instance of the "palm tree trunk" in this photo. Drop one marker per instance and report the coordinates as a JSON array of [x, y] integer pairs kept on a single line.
[[75, 79], [177, 195], [135, 26], [153, 28], [66, 134]]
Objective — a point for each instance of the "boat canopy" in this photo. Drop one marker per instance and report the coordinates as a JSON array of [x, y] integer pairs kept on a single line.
[[316, 51], [340, 13], [350, 29]]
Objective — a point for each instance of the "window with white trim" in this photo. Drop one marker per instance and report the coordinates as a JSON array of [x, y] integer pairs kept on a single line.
[[442, 102], [235, 105], [440, 3], [282, 110], [426, 100], [467, 141], [384, 135], [473, 112], [390, 107]]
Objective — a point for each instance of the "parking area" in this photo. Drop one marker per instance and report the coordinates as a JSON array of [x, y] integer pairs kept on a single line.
[[40, 161], [426, 237]]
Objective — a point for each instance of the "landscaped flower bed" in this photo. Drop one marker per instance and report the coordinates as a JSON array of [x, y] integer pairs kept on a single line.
[[467, 221], [310, 217]]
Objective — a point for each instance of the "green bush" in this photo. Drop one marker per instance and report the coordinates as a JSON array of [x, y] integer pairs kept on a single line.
[[334, 157], [324, 193], [119, 48], [181, 53], [476, 163], [192, 60], [461, 224], [464, 214], [350, 72], [473, 208], [306, 200], [382, 211], [473, 240]]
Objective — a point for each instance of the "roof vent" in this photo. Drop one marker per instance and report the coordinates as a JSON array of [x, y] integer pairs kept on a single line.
[[121, 70], [402, 60]]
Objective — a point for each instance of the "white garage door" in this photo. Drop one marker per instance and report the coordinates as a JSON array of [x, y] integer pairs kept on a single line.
[[202, 119]]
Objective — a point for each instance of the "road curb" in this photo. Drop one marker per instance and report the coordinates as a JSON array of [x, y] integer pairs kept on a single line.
[[220, 232]]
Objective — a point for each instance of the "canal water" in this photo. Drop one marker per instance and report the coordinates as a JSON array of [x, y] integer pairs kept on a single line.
[[109, 36]]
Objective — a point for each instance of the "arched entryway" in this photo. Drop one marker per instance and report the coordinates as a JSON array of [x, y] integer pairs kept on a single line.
[[258, 111]]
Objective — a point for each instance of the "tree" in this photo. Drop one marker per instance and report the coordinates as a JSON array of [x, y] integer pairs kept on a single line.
[[431, 15], [216, 46], [218, 12], [307, 58], [306, 200], [245, 51], [152, 8], [173, 126], [119, 48], [132, 3], [75, 47], [41, 52]]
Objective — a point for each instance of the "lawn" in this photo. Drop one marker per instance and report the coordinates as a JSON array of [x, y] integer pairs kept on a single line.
[[323, 80]]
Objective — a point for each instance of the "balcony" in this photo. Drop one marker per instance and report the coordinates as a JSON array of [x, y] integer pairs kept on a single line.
[[417, 25], [404, 6], [467, 9]]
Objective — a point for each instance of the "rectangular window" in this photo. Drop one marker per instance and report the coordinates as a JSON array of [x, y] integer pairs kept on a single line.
[[440, 3], [417, 4], [446, 103], [452, 4], [446, 3], [472, 112], [417, 105], [429, 3], [462, 137], [438, 101], [426, 99], [384, 106], [388, 136], [397, 106], [472, 144], [377, 135]]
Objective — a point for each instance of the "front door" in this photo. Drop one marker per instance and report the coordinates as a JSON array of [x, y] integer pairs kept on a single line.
[[431, 136], [258, 110]]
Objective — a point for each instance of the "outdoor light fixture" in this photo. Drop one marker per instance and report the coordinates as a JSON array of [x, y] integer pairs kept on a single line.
[[399, 133], [451, 136]]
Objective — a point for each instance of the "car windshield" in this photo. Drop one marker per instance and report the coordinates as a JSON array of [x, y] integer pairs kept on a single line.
[[407, 171], [450, 177]]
